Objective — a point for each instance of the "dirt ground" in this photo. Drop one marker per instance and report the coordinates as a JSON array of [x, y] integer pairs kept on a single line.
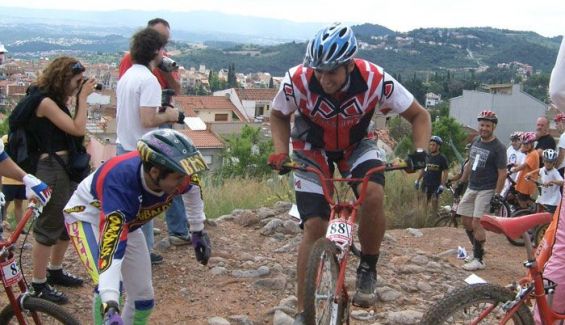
[[188, 293]]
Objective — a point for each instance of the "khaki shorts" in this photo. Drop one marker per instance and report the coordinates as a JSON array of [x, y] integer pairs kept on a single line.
[[475, 203]]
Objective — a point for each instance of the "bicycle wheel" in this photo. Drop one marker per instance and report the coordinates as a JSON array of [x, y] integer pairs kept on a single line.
[[321, 280], [465, 305], [445, 220], [519, 241], [539, 233], [503, 211], [48, 313]]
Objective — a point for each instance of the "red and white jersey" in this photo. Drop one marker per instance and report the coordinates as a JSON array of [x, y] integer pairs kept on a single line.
[[336, 124]]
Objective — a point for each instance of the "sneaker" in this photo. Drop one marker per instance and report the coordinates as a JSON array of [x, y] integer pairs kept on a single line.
[[179, 240], [474, 265], [299, 319], [156, 259], [63, 278], [47, 292], [469, 258], [365, 295]]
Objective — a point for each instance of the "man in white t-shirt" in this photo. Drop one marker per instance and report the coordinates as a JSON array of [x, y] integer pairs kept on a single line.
[[139, 92], [139, 99]]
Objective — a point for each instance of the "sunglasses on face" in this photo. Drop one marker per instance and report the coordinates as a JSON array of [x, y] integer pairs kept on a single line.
[[77, 68]]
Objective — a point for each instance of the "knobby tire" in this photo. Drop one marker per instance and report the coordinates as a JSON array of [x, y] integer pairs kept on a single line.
[[321, 280], [48, 312], [463, 305]]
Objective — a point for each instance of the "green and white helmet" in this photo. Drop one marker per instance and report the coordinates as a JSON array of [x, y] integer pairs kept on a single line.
[[172, 150]]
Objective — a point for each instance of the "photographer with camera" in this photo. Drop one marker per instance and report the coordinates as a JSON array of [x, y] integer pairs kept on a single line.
[[166, 73]]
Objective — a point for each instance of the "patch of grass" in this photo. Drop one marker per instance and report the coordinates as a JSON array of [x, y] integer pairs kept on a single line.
[[401, 203], [223, 196]]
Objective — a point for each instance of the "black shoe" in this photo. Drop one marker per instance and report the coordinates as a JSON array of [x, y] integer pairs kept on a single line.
[[63, 278], [365, 295], [156, 259], [47, 292]]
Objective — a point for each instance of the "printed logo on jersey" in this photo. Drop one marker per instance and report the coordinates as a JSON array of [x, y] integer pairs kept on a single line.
[[148, 213], [388, 88], [95, 204], [76, 208], [110, 239], [288, 91], [327, 110]]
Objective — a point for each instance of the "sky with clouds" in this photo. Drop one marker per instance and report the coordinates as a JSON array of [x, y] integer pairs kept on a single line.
[[546, 17]]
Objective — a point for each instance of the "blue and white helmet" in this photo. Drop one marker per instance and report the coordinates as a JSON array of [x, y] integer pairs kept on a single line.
[[330, 48]]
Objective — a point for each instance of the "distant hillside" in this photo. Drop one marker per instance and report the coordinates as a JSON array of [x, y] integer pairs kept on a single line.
[[420, 50], [429, 49]]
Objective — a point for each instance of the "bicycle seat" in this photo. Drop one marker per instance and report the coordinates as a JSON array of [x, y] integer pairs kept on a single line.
[[514, 227]]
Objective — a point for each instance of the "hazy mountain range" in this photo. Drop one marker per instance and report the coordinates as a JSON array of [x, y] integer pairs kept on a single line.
[[186, 26], [264, 44]]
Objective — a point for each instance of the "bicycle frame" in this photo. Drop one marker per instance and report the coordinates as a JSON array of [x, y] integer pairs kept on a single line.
[[10, 273], [344, 214], [533, 289]]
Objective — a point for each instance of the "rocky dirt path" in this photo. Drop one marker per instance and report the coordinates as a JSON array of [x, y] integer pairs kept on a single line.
[[251, 277]]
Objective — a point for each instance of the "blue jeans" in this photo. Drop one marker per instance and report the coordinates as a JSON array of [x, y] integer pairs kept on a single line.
[[147, 228], [176, 218]]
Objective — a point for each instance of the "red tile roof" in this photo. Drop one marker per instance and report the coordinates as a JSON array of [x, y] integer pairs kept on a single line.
[[256, 93], [203, 139], [191, 103]]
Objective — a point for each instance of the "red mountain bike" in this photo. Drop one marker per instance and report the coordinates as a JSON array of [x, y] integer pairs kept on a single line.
[[488, 303], [326, 299], [24, 308]]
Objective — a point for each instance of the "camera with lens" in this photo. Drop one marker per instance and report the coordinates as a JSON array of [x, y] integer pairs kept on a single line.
[[166, 98], [97, 86], [168, 65], [166, 101]]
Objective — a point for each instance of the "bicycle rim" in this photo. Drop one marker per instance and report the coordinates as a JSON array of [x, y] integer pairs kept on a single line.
[[321, 281], [47, 312], [475, 304]]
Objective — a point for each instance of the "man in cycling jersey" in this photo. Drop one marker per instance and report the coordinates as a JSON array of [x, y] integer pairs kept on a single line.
[[104, 216], [434, 175], [486, 172], [331, 98]]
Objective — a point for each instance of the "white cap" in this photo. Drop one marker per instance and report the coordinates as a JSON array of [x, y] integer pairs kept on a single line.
[[2, 48]]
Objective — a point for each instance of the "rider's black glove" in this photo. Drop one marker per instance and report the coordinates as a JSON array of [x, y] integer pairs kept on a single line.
[[202, 246], [417, 160]]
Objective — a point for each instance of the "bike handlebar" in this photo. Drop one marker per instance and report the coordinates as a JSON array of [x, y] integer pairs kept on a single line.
[[34, 209], [395, 165]]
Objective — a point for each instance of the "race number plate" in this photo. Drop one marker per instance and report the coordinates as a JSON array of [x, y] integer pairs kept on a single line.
[[10, 272], [339, 230]]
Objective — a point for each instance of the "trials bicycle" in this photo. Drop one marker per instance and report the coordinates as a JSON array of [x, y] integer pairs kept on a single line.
[[488, 303], [24, 308], [326, 299]]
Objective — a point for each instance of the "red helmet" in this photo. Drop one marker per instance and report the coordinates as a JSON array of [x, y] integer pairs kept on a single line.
[[487, 116], [528, 137], [559, 118]]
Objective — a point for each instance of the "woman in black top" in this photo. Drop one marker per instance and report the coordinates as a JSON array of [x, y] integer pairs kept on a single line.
[[53, 126]]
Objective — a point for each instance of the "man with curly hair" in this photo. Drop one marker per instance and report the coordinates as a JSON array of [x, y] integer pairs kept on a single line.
[[139, 95]]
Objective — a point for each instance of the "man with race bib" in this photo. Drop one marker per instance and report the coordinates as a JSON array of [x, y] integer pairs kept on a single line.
[[332, 97]]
